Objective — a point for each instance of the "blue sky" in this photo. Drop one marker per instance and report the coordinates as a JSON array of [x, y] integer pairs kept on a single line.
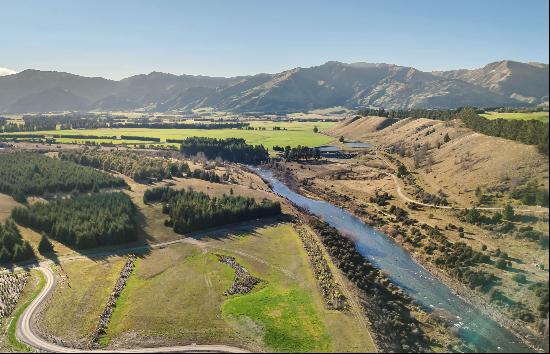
[[116, 39]]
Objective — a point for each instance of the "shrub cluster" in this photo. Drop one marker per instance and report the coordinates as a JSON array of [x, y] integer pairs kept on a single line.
[[298, 153], [11, 286], [531, 194]]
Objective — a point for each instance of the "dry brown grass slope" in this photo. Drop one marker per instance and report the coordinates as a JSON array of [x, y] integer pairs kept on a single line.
[[355, 128], [468, 160]]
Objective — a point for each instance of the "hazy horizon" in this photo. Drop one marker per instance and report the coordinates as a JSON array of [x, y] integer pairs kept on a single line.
[[218, 38]]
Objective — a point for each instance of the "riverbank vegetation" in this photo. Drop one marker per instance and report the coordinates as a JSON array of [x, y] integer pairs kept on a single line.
[[330, 289], [387, 306]]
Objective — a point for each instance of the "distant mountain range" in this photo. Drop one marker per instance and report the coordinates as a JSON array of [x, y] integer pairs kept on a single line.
[[503, 83]]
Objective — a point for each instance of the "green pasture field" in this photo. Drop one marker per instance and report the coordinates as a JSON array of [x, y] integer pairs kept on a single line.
[[296, 133], [541, 116], [176, 296], [80, 295]]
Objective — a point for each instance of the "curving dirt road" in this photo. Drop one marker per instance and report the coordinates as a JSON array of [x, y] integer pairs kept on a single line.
[[405, 198]]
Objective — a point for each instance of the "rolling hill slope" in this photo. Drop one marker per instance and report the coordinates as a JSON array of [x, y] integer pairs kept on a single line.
[[457, 167]]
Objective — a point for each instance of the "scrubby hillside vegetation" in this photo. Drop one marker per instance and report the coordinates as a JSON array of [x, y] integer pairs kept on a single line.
[[530, 132], [453, 158]]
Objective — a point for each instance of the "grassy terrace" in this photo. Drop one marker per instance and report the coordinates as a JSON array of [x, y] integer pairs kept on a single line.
[[296, 133], [542, 116], [176, 296], [81, 292]]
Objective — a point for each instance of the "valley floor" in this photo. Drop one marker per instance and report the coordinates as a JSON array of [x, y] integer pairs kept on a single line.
[[175, 294]]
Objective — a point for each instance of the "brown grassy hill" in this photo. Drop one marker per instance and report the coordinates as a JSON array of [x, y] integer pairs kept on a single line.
[[527, 82], [355, 128], [457, 167]]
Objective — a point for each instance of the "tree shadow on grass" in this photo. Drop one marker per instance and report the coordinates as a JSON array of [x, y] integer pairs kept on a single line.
[[142, 223], [236, 230], [144, 245]]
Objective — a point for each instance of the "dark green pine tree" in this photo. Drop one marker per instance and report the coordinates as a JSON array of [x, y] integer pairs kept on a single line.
[[45, 246]]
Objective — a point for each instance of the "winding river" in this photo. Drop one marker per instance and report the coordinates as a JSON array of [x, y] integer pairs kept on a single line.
[[429, 292]]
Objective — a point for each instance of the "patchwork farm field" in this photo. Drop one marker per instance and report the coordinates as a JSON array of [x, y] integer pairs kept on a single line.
[[266, 133], [541, 116]]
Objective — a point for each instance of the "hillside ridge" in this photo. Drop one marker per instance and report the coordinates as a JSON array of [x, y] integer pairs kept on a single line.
[[353, 85]]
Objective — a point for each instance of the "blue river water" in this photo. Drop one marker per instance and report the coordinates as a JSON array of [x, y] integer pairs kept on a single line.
[[358, 145], [474, 327]]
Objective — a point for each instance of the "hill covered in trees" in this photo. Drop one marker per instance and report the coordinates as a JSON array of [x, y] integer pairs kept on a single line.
[[25, 174], [83, 221], [191, 211], [12, 247], [230, 149]]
